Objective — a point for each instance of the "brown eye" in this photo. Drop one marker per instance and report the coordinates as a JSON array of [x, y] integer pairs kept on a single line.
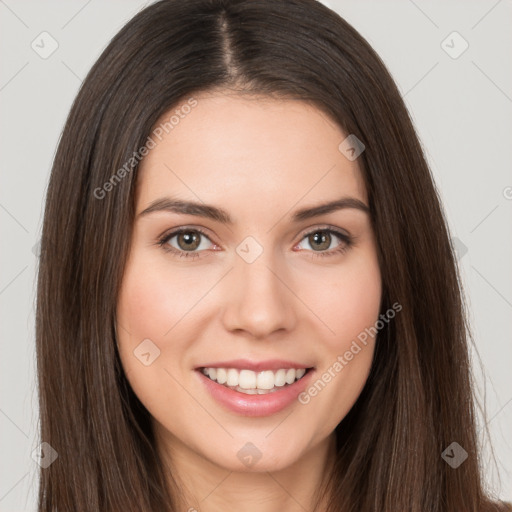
[[186, 242], [325, 242], [189, 240], [320, 240]]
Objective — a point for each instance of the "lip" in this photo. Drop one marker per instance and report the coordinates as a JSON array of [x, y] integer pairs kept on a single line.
[[256, 405], [256, 366]]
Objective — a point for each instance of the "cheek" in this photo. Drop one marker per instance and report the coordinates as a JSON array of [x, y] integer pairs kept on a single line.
[[146, 310], [348, 301], [349, 305], [152, 301], [142, 305]]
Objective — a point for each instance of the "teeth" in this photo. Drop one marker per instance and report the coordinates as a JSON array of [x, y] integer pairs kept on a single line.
[[251, 383], [232, 377], [265, 380], [280, 378], [246, 379]]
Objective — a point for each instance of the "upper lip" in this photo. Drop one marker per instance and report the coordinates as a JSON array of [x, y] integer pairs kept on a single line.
[[256, 366]]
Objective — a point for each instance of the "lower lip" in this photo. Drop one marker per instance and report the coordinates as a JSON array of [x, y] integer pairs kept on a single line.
[[256, 405]]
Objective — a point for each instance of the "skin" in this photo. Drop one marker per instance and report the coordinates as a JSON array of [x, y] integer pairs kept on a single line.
[[260, 160]]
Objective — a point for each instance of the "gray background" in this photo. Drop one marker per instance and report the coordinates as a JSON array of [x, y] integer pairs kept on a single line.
[[462, 110]]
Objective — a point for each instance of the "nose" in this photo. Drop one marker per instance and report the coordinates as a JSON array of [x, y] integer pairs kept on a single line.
[[259, 300]]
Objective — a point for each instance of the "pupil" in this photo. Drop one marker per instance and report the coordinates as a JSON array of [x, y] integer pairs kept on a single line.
[[190, 239], [322, 238]]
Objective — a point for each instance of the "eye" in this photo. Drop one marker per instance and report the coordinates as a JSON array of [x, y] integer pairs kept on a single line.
[[190, 242], [186, 242], [326, 242]]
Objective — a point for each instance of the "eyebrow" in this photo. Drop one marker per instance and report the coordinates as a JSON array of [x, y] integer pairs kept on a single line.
[[218, 214]]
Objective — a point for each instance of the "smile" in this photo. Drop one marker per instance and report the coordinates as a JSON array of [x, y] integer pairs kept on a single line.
[[252, 382]]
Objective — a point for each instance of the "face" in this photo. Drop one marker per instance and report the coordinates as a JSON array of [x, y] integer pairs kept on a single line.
[[261, 289]]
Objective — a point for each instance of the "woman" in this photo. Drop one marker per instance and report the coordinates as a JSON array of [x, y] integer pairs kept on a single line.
[[247, 296]]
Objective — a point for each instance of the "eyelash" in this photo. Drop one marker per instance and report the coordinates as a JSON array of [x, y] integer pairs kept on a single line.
[[347, 242]]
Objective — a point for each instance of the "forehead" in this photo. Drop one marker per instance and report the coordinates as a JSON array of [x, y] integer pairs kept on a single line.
[[250, 152]]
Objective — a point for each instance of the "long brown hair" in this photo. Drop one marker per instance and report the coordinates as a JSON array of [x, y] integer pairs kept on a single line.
[[418, 398]]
